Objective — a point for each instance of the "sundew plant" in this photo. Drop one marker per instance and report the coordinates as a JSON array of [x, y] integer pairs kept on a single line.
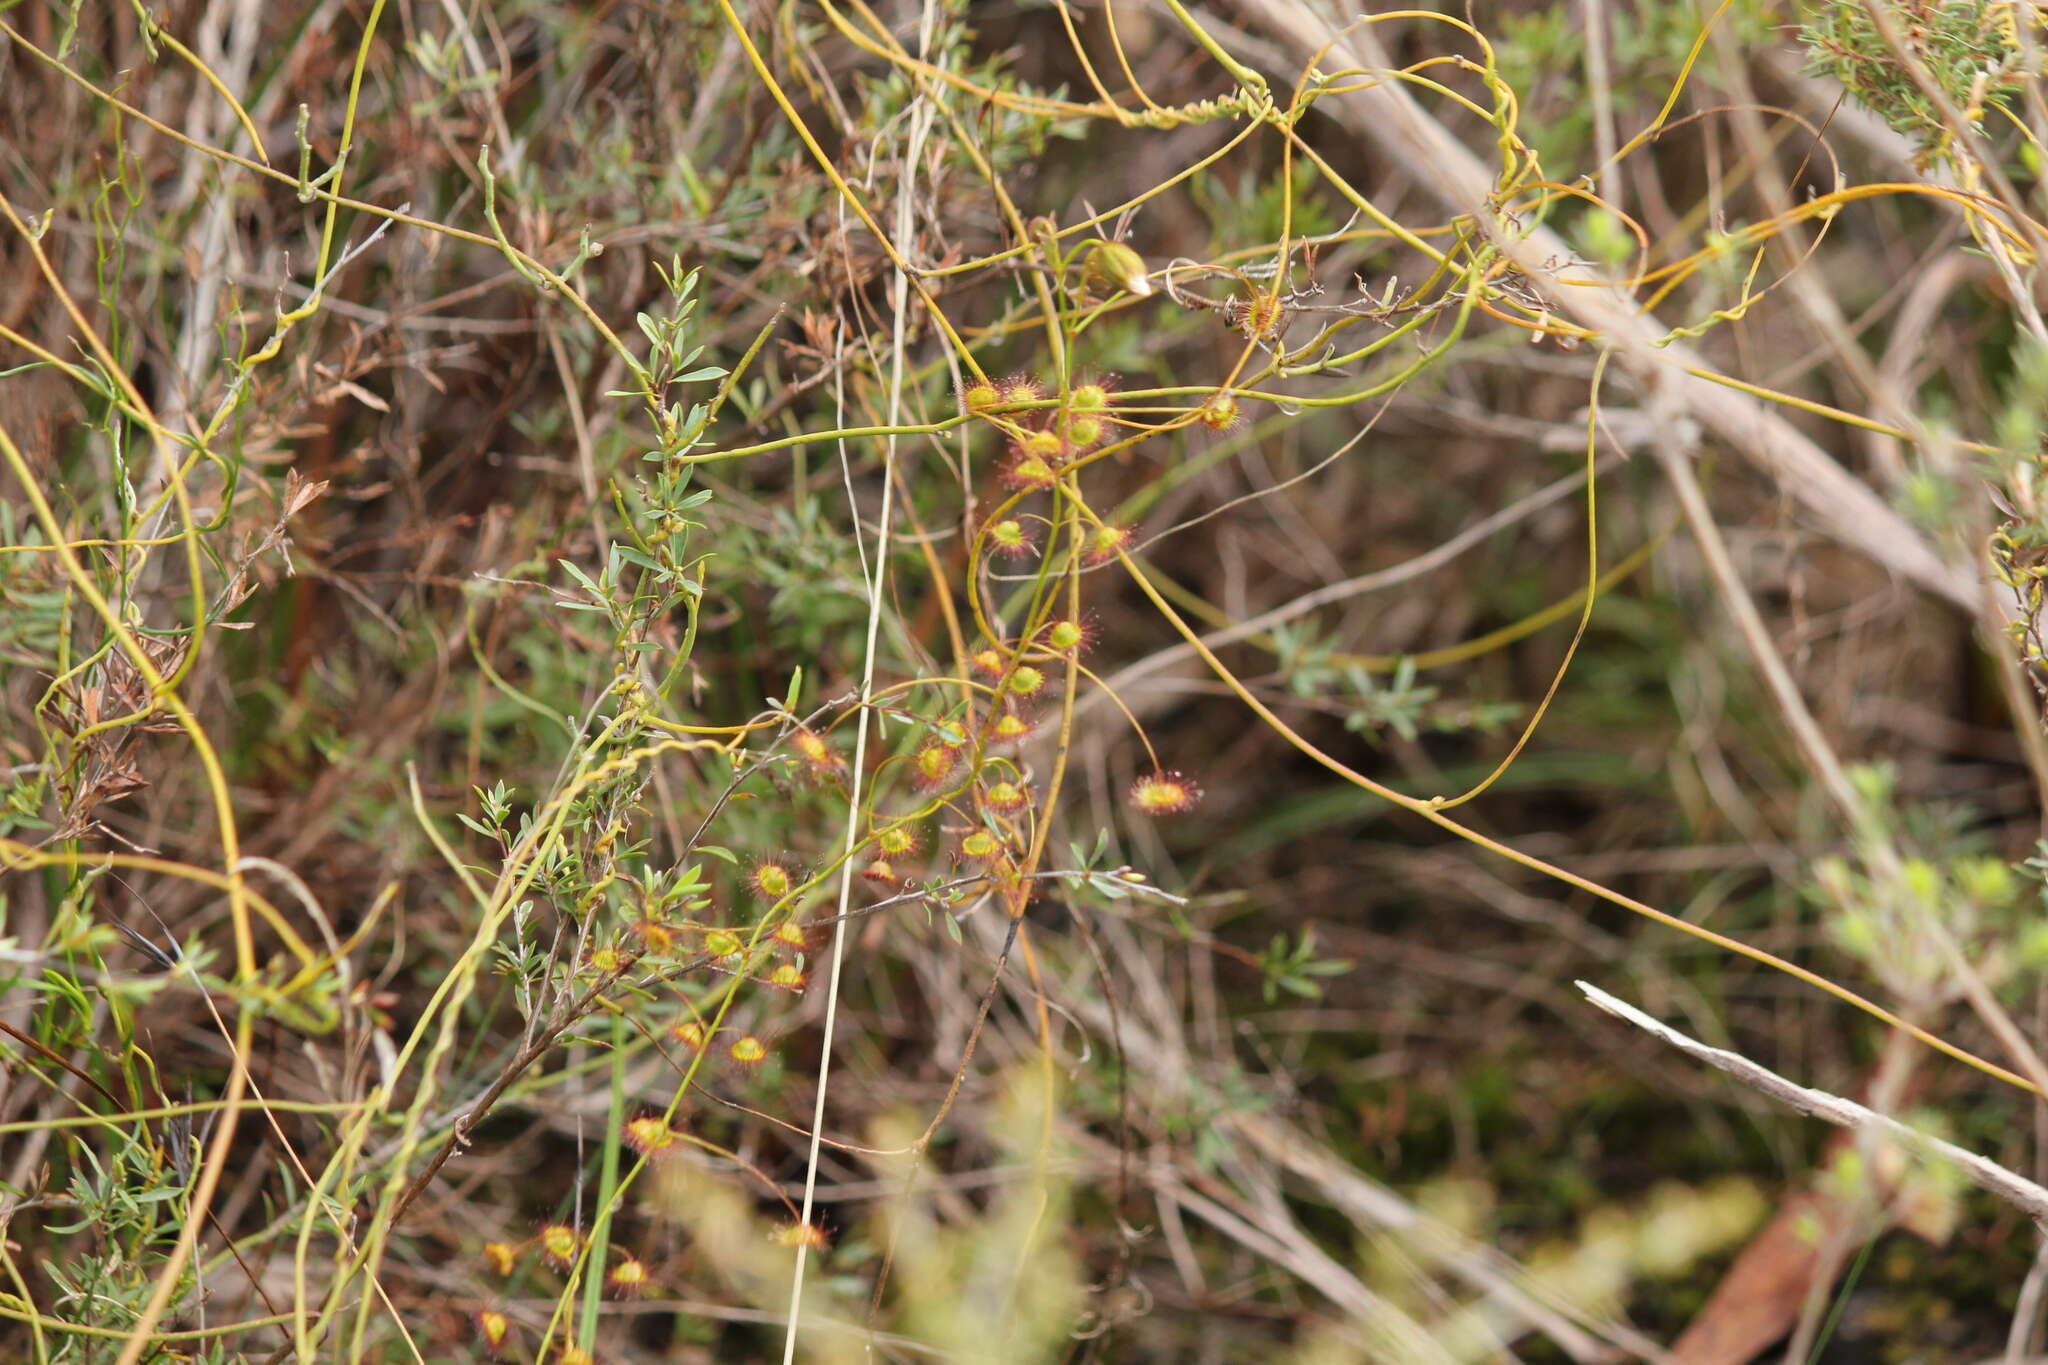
[[693, 680]]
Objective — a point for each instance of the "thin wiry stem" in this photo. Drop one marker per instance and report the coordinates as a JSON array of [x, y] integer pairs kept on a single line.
[[877, 576]]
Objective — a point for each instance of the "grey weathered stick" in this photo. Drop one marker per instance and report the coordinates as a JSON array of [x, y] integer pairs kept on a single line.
[[2022, 1193]]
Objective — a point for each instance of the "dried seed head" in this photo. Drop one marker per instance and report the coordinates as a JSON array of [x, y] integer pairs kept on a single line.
[[1113, 266], [1260, 316]]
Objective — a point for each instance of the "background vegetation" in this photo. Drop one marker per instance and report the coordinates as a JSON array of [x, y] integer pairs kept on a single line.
[[1152, 583]]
